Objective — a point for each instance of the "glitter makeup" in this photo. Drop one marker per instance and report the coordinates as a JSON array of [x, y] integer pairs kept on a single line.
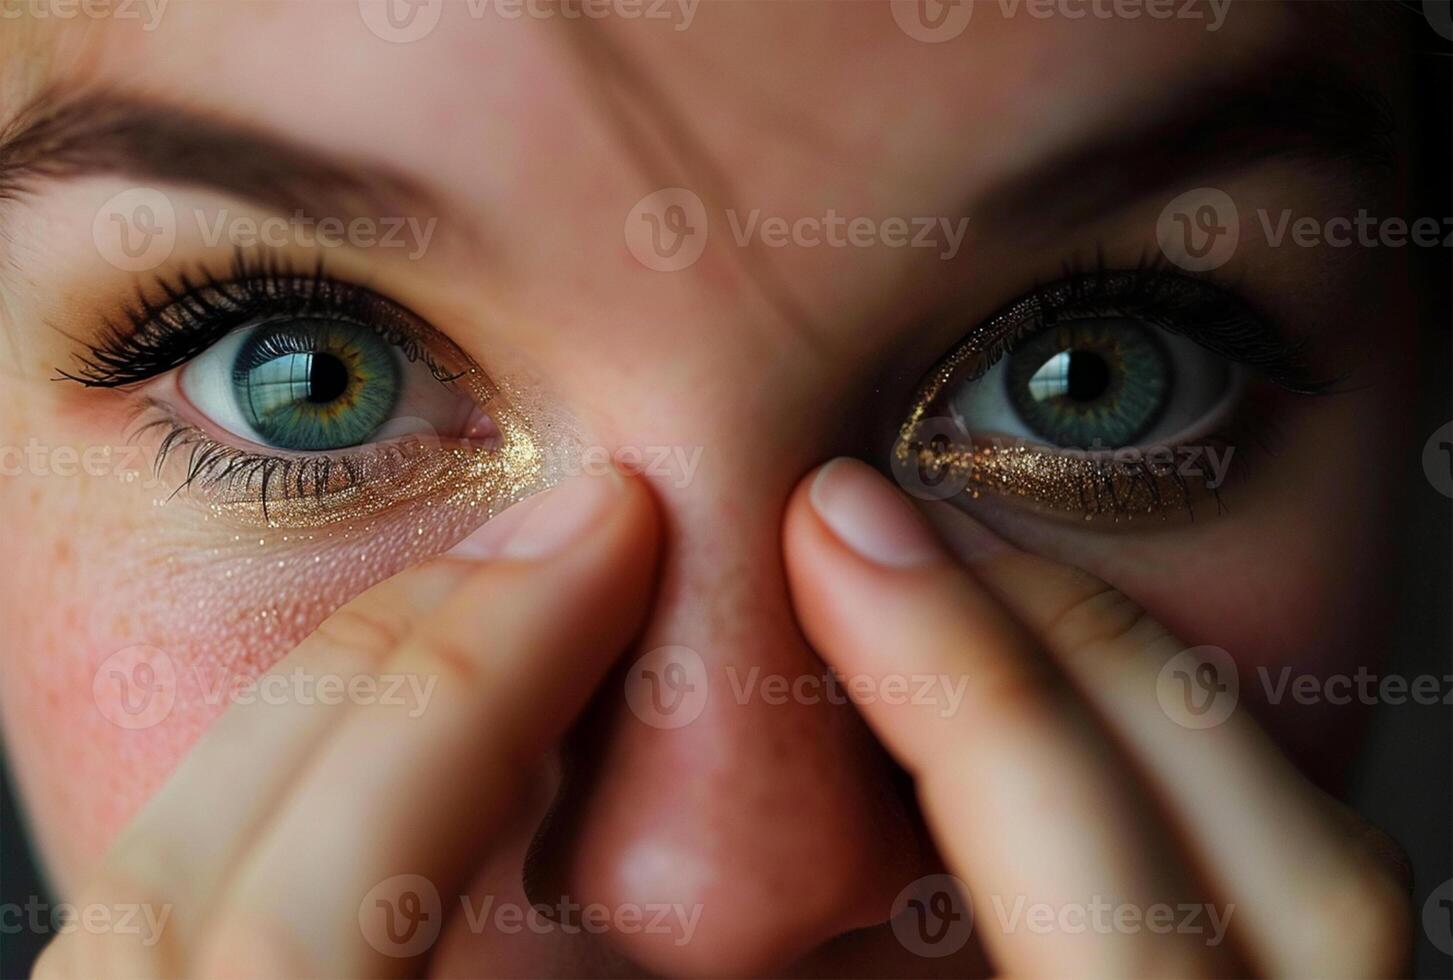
[[934, 456], [493, 461]]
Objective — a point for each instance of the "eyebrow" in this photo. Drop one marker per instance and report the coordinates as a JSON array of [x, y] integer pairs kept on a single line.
[[67, 136], [1293, 111]]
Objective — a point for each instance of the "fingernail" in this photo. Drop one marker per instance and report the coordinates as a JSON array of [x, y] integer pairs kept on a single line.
[[871, 517], [544, 524]]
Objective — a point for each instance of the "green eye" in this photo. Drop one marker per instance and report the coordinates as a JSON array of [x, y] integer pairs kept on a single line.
[[1090, 383], [312, 385]]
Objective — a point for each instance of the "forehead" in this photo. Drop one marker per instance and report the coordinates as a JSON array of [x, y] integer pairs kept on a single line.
[[475, 89]]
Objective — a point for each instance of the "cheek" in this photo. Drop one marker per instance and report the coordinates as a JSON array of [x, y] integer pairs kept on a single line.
[[128, 636], [1290, 579]]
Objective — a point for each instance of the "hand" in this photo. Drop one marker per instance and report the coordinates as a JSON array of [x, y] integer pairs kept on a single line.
[[1059, 779], [283, 817]]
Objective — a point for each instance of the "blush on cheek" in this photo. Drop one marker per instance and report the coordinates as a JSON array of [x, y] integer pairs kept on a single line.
[[123, 654]]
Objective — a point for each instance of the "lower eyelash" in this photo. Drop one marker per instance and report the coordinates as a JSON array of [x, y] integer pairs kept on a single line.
[[1120, 486], [347, 487], [1115, 485], [213, 466]]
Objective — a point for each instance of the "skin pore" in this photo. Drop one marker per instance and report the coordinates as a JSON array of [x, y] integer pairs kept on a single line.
[[528, 142]]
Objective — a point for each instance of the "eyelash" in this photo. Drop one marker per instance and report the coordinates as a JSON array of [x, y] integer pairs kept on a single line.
[[181, 317], [167, 326], [1197, 308]]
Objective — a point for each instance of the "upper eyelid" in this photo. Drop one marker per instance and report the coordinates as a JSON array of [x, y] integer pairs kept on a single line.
[[257, 285], [1243, 336]]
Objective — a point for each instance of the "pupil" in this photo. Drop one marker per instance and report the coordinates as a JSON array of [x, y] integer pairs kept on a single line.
[[1088, 376], [327, 379]]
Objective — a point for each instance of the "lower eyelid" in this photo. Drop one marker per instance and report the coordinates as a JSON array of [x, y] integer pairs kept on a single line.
[[254, 486]]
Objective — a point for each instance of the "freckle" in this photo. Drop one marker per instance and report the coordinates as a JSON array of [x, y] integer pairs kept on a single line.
[[63, 552]]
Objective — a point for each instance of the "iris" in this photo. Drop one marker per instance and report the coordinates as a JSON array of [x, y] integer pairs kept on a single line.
[[1090, 383], [313, 385]]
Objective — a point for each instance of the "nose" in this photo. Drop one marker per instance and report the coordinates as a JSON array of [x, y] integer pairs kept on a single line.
[[725, 805]]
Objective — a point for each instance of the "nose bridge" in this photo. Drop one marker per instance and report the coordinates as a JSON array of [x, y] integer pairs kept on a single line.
[[722, 782]]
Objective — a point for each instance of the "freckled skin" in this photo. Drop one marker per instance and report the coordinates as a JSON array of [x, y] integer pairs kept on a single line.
[[786, 821]]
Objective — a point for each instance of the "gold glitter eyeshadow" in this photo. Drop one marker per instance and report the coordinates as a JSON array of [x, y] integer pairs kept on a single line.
[[934, 458], [476, 478], [363, 482]]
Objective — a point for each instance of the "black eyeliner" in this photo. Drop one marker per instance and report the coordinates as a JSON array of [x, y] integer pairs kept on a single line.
[[180, 317]]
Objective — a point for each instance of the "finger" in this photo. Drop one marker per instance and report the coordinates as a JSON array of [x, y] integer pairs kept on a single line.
[[173, 855], [516, 650], [1313, 889], [1027, 798]]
